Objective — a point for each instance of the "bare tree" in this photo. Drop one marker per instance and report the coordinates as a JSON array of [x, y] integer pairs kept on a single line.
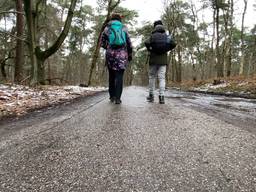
[[19, 60], [241, 69], [219, 65], [228, 24]]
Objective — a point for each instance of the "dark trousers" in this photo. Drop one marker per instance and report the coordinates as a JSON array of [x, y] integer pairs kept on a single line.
[[115, 83]]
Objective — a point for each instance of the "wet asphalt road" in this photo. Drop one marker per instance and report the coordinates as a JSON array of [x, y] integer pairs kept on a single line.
[[94, 145]]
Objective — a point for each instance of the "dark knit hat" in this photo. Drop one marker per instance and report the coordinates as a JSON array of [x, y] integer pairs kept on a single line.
[[158, 22], [116, 16]]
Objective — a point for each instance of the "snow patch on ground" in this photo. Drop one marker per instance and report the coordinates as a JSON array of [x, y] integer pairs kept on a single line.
[[77, 89], [243, 84], [18, 99], [210, 86]]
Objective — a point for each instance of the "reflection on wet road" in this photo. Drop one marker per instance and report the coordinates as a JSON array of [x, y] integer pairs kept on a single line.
[[239, 111]]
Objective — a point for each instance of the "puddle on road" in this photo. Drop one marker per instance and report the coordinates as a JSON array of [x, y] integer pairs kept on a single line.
[[222, 105], [240, 112], [177, 96], [208, 101], [180, 97]]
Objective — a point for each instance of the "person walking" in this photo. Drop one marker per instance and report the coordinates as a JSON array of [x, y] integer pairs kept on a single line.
[[158, 45], [116, 41]]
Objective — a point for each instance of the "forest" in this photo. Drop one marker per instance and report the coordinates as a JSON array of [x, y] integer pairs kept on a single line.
[[57, 42]]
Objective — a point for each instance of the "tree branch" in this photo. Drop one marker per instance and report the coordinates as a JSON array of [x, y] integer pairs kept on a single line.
[[14, 12], [3, 32], [37, 5], [47, 53], [115, 5]]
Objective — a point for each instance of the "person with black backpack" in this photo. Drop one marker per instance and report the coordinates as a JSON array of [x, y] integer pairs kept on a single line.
[[115, 39], [158, 46]]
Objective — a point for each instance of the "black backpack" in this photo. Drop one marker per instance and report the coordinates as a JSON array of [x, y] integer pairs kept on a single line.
[[158, 43]]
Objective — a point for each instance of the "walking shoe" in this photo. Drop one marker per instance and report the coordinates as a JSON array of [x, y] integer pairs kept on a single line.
[[161, 99], [112, 99], [150, 98], [118, 101]]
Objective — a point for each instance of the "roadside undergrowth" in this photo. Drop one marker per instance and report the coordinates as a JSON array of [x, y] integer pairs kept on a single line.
[[233, 86]]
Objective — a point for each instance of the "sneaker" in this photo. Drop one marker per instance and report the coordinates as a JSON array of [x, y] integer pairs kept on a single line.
[[112, 99], [161, 99], [118, 101], [150, 98]]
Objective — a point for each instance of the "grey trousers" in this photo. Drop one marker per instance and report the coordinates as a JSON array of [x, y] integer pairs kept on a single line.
[[157, 71]]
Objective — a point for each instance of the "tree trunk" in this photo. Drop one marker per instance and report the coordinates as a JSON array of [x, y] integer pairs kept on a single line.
[[41, 71], [19, 60], [201, 64], [173, 64], [3, 72], [226, 40], [212, 63], [241, 70], [199, 58], [230, 41], [178, 69], [3, 54], [249, 72], [219, 60], [28, 8], [253, 58], [194, 74], [94, 58]]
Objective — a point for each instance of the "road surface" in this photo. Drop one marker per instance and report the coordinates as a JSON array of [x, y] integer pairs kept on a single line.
[[94, 145]]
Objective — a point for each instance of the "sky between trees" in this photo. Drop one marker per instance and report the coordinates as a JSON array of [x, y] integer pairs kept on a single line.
[[151, 10]]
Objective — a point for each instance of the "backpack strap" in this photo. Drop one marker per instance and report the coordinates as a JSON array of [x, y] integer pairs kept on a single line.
[[113, 32]]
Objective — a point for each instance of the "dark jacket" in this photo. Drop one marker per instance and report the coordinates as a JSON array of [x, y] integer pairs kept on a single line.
[[154, 58], [116, 59]]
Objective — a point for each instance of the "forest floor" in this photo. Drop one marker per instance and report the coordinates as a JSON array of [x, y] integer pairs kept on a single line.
[[17, 100], [235, 87]]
